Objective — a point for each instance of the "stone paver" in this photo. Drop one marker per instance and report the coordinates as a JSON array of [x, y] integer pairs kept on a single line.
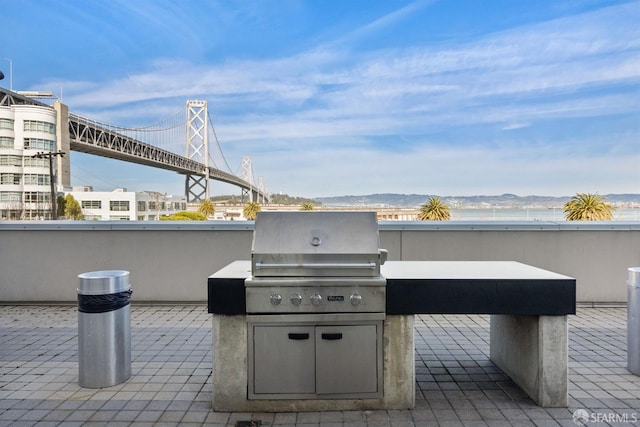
[[456, 383]]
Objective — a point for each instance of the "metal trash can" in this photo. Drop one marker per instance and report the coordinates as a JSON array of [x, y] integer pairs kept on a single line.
[[633, 321], [104, 328]]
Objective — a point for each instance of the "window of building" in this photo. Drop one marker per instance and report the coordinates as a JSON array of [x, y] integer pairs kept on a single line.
[[10, 196], [6, 142], [11, 213], [36, 162], [10, 178], [119, 218], [39, 144], [152, 205], [38, 126], [10, 160], [142, 205], [36, 214], [36, 179], [184, 206], [119, 205], [36, 196], [91, 204], [6, 124]]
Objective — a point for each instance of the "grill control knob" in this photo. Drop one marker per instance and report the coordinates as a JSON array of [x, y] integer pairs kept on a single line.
[[315, 299], [275, 299], [296, 299], [355, 299]]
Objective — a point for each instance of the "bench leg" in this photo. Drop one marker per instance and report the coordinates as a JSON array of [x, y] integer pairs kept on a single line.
[[533, 352], [229, 354]]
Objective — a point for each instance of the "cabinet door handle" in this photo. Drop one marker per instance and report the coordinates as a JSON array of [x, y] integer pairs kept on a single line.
[[332, 337], [294, 336]]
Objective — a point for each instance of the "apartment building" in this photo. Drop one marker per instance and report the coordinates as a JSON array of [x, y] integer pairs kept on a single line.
[[25, 191], [123, 205]]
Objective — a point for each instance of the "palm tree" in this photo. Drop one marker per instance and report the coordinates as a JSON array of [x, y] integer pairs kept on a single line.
[[250, 210], [588, 207], [207, 208], [434, 210], [306, 206]]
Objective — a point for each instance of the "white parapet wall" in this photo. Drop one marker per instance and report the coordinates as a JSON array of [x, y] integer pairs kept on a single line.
[[170, 261]]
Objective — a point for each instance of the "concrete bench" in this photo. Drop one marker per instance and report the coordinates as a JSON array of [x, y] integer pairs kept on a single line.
[[528, 308], [528, 332]]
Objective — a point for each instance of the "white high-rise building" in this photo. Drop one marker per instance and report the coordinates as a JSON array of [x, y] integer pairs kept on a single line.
[[25, 191]]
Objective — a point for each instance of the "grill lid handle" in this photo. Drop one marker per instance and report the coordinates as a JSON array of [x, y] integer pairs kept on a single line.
[[263, 265], [384, 254]]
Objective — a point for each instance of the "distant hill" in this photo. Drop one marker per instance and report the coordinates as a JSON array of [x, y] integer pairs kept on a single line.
[[277, 199], [504, 200], [395, 200]]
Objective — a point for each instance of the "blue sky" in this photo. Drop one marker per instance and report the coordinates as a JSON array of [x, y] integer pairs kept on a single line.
[[354, 97]]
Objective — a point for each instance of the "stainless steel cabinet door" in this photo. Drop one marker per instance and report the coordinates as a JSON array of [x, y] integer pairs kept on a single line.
[[284, 359], [346, 359]]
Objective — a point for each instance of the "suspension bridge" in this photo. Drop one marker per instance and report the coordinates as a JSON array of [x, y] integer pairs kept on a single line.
[[189, 131]]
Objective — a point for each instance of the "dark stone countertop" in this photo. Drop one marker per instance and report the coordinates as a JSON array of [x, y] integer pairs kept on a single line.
[[436, 287]]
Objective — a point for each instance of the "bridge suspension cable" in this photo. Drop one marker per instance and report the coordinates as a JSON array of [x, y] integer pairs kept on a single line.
[[213, 131], [170, 134], [193, 125]]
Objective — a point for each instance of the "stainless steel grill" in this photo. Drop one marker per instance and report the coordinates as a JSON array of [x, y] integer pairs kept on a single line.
[[315, 305], [318, 244]]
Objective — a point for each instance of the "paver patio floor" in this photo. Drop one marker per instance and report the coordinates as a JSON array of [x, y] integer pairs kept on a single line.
[[456, 383]]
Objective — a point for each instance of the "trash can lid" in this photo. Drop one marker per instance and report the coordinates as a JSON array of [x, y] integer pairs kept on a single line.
[[634, 277], [103, 282]]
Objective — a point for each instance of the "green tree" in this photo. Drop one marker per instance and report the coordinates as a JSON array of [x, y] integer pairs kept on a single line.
[[434, 210], [250, 210], [207, 208], [306, 206], [588, 207], [184, 216], [72, 209]]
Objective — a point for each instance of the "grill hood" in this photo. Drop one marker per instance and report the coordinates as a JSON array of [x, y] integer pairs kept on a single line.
[[316, 244]]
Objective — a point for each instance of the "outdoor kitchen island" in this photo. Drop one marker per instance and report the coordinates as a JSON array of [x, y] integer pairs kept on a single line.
[[528, 337]]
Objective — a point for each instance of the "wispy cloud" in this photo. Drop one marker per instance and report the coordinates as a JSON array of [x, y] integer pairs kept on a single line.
[[391, 19], [556, 57], [328, 105]]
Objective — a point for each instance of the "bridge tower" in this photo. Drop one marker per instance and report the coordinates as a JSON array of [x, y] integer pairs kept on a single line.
[[197, 186], [262, 188], [246, 173]]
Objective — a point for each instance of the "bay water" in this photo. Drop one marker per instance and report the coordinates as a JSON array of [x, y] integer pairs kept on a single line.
[[530, 214]]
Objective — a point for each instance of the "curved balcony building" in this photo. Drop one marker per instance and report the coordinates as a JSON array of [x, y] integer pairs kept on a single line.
[[26, 130]]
